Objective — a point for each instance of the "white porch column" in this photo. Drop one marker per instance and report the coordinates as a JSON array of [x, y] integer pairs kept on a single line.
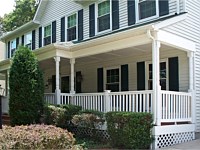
[[156, 81], [57, 91], [191, 84], [72, 62]]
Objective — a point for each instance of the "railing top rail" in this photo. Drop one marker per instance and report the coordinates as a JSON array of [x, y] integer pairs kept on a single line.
[[176, 93]]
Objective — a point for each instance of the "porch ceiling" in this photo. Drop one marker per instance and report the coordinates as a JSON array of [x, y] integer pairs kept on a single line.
[[145, 49]]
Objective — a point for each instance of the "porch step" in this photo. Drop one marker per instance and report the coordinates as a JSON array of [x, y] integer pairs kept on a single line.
[[5, 119]]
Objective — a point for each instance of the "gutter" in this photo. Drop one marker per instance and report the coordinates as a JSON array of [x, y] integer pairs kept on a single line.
[[20, 29]]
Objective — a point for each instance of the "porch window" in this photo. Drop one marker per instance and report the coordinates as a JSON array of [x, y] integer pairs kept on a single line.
[[71, 27], [28, 40], [163, 76], [112, 80], [146, 8], [103, 20], [13, 47], [47, 35]]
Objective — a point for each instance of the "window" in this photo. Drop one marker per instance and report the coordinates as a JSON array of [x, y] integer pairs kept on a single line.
[[103, 20], [112, 80], [71, 27], [28, 40], [13, 47], [47, 35], [163, 76], [146, 8]]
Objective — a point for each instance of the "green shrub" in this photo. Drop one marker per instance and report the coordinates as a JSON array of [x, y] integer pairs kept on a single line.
[[26, 88], [54, 115], [129, 130], [71, 110], [36, 137], [89, 119], [60, 115]]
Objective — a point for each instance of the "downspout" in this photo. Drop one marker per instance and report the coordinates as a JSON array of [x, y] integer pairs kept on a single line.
[[156, 86]]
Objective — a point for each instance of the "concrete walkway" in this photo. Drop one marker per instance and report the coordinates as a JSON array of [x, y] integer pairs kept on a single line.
[[194, 145]]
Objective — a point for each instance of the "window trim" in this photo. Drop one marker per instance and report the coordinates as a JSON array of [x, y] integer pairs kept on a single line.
[[147, 73], [105, 76], [66, 26], [138, 20], [25, 39], [50, 24], [96, 18]]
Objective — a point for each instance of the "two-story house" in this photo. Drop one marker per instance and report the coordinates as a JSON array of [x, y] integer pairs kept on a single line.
[[119, 55]]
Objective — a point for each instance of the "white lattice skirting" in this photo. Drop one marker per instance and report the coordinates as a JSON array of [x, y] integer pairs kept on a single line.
[[171, 135]]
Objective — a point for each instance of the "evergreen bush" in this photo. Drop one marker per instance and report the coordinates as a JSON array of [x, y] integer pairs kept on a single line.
[[26, 88], [129, 130]]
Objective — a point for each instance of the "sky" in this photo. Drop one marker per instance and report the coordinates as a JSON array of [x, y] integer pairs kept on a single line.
[[6, 6]]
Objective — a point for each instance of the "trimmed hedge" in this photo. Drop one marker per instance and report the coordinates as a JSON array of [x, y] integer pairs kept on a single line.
[[26, 88], [36, 137], [60, 115], [129, 130]]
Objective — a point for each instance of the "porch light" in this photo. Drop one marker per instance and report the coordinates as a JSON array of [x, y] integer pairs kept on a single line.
[[1, 94]]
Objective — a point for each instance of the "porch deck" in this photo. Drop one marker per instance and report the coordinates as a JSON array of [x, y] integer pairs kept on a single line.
[[174, 107]]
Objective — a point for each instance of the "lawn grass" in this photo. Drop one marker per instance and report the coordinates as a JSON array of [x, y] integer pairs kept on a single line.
[[92, 144]]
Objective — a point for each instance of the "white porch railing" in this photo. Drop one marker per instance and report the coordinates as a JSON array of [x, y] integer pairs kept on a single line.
[[49, 98], [176, 106], [134, 101]]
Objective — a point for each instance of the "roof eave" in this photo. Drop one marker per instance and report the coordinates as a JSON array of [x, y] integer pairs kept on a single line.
[[19, 30]]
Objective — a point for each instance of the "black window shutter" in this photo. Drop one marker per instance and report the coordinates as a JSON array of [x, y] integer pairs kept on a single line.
[[141, 75], [173, 74], [131, 12], [115, 14], [53, 31], [80, 25], [100, 79], [53, 83], [78, 83], [92, 20], [124, 78], [163, 7], [17, 42], [33, 39], [62, 38], [8, 50], [22, 40], [40, 37]]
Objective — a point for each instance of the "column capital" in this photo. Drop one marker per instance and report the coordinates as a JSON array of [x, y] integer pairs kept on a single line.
[[190, 54], [72, 61], [57, 59]]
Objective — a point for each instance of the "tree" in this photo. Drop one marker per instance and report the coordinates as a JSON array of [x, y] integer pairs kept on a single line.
[[23, 12], [26, 88]]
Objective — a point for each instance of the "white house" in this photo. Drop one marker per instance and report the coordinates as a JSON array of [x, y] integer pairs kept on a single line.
[[99, 54]]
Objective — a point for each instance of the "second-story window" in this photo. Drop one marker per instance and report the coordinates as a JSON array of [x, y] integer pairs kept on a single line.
[[28, 40], [146, 8], [47, 35], [13, 47], [103, 20], [71, 27]]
